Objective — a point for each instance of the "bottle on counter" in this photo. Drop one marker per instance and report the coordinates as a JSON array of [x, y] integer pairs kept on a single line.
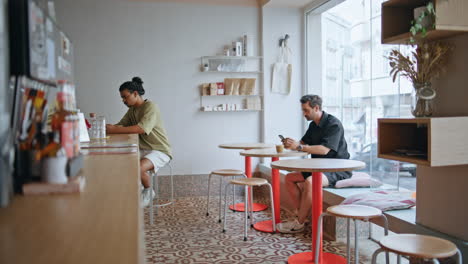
[[58, 118], [101, 126], [92, 129]]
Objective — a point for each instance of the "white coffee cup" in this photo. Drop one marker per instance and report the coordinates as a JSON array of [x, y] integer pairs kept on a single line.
[[53, 169]]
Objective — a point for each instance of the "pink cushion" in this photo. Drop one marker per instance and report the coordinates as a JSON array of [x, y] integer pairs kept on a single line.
[[385, 201], [359, 179]]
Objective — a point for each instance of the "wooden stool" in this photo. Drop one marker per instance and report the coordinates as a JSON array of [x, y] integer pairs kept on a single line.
[[155, 187], [357, 213], [419, 246], [248, 183], [222, 173]]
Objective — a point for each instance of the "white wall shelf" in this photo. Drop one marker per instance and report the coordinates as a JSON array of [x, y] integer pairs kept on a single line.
[[227, 95], [235, 103], [232, 57], [232, 64], [240, 110], [251, 72]]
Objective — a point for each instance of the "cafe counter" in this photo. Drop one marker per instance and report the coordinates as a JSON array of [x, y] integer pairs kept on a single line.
[[102, 224]]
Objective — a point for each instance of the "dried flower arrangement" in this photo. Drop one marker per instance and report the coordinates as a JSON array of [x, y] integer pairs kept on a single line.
[[426, 62]]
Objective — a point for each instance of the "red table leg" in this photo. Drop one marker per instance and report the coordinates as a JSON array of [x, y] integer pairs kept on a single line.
[[308, 257], [239, 207], [267, 226]]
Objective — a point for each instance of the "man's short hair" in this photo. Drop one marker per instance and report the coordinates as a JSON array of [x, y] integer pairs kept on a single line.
[[313, 100]]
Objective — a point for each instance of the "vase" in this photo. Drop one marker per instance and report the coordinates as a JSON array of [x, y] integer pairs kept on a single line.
[[422, 97]]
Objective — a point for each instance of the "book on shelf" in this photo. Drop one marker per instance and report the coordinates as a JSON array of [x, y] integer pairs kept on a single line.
[[410, 152]]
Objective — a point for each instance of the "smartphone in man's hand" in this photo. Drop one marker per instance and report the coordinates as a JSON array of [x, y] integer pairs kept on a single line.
[[281, 137]]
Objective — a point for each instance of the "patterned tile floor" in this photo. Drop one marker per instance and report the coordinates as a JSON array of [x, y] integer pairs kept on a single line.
[[182, 233]]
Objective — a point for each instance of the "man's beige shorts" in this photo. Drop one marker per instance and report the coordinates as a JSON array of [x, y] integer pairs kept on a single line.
[[158, 158]]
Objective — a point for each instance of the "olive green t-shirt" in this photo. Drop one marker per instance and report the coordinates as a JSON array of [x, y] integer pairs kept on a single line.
[[148, 117]]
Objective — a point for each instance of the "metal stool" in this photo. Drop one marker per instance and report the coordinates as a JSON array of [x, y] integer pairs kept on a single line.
[[154, 185], [222, 173], [355, 212], [248, 183], [419, 246]]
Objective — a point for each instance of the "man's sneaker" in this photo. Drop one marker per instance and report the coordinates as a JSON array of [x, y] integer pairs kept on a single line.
[[290, 227], [146, 196]]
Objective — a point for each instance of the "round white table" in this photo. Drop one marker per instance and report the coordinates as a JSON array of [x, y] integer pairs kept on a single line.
[[267, 226], [316, 167], [248, 170]]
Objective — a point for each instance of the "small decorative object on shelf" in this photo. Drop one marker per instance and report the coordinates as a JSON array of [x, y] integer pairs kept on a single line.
[[253, 103], [230, 86], [424, 64], [224, 102], [220, 86], [223, 108]]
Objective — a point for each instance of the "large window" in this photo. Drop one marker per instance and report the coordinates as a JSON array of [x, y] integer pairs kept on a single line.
[[347, 66]]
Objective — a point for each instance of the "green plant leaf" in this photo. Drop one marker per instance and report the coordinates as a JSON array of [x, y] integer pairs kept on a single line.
[[430, 8]]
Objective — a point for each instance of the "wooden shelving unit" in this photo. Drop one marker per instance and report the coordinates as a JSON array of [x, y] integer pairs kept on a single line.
[[397, 15], [440, 138]]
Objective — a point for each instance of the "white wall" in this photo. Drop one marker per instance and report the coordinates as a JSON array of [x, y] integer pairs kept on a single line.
[[163, 43], [283, 112]]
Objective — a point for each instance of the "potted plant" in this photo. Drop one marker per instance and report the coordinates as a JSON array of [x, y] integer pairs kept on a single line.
[[424, 20], [425, 63]]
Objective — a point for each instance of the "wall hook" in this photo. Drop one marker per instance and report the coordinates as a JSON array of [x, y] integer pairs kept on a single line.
[[286, 37]]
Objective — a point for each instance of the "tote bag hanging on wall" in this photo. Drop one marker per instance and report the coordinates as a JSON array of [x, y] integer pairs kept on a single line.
[[282, 72]]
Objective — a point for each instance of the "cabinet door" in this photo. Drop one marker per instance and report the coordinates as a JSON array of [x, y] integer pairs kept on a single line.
[[451, 14]]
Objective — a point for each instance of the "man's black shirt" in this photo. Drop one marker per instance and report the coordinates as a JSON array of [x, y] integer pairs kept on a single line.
[[328, 133]]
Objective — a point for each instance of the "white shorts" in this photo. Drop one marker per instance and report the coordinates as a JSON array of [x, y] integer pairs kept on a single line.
[[158, 158]]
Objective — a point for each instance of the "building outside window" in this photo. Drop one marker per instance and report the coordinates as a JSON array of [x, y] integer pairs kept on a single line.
[[347, 65]]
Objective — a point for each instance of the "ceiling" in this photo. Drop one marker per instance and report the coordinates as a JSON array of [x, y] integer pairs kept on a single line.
[[268, 3], [288, 3]]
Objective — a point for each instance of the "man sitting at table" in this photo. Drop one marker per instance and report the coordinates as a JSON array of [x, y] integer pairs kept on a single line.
[[143, 118], [324, 139]]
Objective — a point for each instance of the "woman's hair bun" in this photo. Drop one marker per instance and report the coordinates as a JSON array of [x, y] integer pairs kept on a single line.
[[137, 80]]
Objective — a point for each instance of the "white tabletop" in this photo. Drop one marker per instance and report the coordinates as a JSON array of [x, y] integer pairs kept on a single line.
[[318, 165], [271, 152], [246, 146]]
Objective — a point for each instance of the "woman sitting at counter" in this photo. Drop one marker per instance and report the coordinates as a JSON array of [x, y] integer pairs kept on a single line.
[[143, 118]]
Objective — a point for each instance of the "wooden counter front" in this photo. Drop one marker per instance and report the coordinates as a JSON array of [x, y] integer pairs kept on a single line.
[[103, 224]]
